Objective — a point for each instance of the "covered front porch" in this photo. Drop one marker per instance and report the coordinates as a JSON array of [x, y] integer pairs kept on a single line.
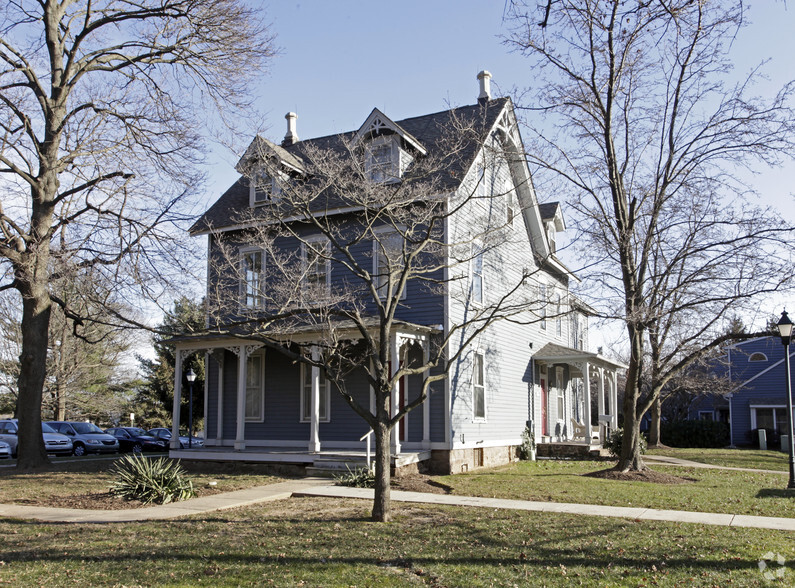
[[575, 427], [244, 423]]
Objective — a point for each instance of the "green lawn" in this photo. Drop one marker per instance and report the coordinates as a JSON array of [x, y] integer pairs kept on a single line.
[[721, 491], [734, 458], [325, 542]]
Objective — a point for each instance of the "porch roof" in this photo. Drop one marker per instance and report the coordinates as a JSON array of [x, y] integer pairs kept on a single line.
[[553, 353], [308, 333]]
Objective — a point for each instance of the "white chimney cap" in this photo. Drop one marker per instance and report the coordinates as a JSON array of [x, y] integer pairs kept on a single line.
[[484, 78], [292, 136]]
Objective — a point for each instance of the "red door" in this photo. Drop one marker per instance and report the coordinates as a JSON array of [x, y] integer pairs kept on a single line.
[[544, 425]]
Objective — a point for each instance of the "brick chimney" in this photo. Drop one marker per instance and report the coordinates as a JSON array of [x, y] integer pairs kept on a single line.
[[484, 78], [291, 137]]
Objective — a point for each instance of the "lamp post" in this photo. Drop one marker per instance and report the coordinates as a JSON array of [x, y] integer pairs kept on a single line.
[[785, 330], [191, 377]]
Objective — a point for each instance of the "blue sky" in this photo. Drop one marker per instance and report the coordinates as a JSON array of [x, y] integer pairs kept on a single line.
[[340, 59]]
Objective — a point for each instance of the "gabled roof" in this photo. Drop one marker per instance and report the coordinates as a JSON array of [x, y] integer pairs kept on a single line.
[[427, 131], [550, 211], [260, 148], [377, 123]]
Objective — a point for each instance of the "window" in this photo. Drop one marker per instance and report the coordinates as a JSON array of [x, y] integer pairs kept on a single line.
[[265, 187], [481, 189], [577, 331], [316, 258], [551, 236], [510, 207], [758, 357], [769, 417], [705, 415], [477, 273], [387, 262], [306, 395], [478, 386], [561, 393], [543, 312], [255, 391], [381, 161], [252, 272], [558, 315]]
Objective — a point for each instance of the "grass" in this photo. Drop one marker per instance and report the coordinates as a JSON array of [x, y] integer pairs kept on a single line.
[[325, 542], [91, 476], [734, 458], [720, 491]]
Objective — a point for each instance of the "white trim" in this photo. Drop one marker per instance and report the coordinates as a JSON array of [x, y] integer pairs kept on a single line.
[[484, 443], [711, 414], [378, 234], [757, 354], [754, 407], [476, 251], [764, 371]]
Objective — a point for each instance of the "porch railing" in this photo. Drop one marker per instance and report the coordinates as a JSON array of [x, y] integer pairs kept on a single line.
[[366, 437]]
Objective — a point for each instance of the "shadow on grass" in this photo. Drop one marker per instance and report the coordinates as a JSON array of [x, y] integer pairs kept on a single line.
[[776, 493]]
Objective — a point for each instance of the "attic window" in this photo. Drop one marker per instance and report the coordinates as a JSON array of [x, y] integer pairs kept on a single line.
[[551, 236], [758, 357], [265, 187], [384, 159]]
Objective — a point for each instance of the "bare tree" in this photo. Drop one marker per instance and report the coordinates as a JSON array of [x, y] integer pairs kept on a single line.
[[648, 141], [396, 235], [99, 141]]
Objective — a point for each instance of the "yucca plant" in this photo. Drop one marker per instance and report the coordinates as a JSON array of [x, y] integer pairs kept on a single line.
[[158, 480], [357, 478]]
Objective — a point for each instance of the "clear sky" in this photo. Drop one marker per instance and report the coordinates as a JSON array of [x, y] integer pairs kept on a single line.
[[340, 59]]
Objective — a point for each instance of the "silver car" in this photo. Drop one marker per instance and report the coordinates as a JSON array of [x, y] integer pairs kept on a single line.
[[54, 443], [86, 437], [5, 450]]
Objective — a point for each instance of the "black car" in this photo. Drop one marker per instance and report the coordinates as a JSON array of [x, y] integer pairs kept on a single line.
[[136, 439]]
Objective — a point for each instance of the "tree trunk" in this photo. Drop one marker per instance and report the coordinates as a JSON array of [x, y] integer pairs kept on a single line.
[[630, 458], [36, 306], [654, 427], [382, 501]]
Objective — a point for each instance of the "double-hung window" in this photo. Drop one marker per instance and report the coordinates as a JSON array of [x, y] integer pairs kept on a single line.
[[306, 396], [382, 160], [387, 262], [252, 278], [510, 207], [558, 315], [561, 393], [543, 303], [478, 386], [477, 273], [266, 187], [255, 390], [316, 258]]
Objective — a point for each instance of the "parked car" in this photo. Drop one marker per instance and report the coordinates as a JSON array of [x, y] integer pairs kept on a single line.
[[165, 435], [5, 450], [86, 437], [54, 443], [135, 439]]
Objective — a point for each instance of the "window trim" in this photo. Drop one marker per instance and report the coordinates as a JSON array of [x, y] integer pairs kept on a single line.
[[259, 297], [306, 372], [378, 235], [774, 407], [542, 289], [558, 313], [475, 416], [394, 173], [560, 396], [261, 417], [757, 356], [270, 186], [703, 413]]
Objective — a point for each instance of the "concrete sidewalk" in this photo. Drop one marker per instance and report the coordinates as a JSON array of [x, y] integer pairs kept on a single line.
[[323, 488], [677, 461]]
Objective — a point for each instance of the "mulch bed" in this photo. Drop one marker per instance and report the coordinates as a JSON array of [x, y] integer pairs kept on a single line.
[[642, 476]]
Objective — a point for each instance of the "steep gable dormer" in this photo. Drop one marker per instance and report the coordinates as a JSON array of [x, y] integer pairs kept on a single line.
[[268, 167], [388, 149]]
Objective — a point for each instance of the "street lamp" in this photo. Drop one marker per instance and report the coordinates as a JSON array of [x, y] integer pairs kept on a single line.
[[785, 330], [191, 377]]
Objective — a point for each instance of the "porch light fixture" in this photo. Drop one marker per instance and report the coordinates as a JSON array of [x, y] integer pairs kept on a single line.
[[785, 330], [191, 377]]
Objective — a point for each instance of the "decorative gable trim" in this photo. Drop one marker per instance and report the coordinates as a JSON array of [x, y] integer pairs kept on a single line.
[[379, 124]]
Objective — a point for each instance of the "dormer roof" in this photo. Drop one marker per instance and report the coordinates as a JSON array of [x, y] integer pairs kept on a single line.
[[378, 123], [262, 149], [551, 212]]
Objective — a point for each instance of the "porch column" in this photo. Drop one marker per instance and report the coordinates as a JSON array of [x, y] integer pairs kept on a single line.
[[613, 400], [601, 404], [586, 378], [314, 418], [177, 399], [240, 430], [394, 359], [218, 356], [426, 406], [206, 389]]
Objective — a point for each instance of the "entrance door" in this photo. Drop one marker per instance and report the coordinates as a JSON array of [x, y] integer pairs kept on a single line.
[[544, 401]]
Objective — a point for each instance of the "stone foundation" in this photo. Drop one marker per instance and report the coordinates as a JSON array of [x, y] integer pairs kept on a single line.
[[459, 461], [571, 450]]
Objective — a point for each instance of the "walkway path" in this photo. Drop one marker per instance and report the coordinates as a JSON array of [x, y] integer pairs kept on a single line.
[[678, 461], [322, 487]]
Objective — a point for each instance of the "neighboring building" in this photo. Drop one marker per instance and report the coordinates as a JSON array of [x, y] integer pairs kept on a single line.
[[758, 382], [259, 406]]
